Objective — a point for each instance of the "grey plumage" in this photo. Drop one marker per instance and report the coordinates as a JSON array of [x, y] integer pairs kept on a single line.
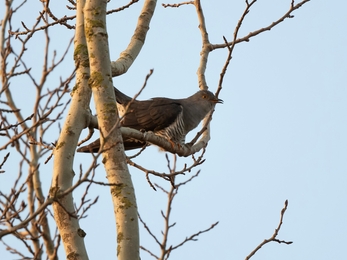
[[169, 118]]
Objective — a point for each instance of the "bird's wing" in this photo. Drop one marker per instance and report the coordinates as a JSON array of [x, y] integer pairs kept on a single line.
[[121, 97], [152, 115]]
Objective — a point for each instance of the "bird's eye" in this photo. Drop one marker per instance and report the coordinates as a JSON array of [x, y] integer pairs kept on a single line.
[[204, 96]]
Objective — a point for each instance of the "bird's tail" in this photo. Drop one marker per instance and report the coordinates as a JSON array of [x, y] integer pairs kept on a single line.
[[129, 144]]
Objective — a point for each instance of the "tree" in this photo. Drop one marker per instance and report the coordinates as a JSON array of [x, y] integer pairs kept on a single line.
[[29, 219]]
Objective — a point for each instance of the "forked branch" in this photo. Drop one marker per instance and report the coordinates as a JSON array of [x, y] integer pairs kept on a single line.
[[273, 238]]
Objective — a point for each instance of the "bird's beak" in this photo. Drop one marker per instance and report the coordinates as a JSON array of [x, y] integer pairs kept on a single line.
[[217, 100]]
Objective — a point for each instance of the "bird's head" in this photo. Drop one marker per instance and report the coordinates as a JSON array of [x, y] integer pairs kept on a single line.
[[196, 107], [205, 95]]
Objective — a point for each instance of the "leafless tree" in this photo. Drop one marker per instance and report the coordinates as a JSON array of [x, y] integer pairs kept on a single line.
[[29, 204]]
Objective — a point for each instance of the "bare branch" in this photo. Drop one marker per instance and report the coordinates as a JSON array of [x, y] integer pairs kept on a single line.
[[4, 160], [171, 194], [178, 5], [181, 150], [273, 238], [194, 236], [247, 38], [206, 46], [128, 56], [149, 230], [172, 174], [122, 7]]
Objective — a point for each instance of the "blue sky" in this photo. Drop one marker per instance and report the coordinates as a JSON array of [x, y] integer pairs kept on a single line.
[[280, 134]]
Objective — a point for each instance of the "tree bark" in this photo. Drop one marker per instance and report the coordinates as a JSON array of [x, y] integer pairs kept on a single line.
[[122, 191], [76, 121]]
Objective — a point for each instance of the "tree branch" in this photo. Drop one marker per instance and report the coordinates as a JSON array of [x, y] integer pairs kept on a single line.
[[128, 56], [273, 238]]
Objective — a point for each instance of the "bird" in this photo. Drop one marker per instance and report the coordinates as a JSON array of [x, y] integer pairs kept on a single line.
[[171, 119]]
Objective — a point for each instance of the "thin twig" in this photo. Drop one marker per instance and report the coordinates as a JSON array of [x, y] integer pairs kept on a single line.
[[178, 5], [273, 238]]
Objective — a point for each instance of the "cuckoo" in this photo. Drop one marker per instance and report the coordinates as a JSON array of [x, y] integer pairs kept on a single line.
[[169, 118]]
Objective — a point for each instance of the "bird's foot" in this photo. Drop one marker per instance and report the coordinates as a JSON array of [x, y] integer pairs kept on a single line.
[[178, 145], [173, 144], [189, 145]]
